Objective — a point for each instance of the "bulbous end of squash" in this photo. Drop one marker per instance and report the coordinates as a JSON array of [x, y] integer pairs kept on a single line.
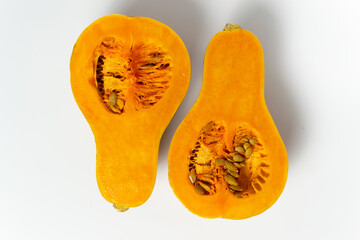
[[227, 158]]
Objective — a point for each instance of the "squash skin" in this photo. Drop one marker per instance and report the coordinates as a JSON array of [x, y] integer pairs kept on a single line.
[[127, 144], [232, 92]]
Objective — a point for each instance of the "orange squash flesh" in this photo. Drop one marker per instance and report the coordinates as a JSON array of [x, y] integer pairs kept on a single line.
[[128, 76], [231, 105]]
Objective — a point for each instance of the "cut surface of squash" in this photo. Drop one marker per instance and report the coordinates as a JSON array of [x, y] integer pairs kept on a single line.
[[227, 158], [128, 76]]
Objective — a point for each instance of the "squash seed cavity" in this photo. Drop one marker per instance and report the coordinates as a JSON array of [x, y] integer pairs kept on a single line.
[[136, 75], [242, 168]]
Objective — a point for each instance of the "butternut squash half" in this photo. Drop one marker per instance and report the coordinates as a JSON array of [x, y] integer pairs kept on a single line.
[[227, 158], [128, 76]]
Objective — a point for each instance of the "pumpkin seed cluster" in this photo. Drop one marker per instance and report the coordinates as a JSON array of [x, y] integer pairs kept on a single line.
[[232, 164], [242, 169]]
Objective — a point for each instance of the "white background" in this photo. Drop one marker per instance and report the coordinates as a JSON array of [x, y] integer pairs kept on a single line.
[[48, 187]]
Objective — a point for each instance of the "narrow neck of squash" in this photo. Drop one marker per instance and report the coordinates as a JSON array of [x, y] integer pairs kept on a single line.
[[233, 89], [234, 68]]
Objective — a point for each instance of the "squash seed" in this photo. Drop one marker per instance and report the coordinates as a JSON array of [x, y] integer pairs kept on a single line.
[[120, 104], [233, 173], [248, 152], [205, 186], [252, 141], [230, 166], [220, 161], [240, 149], [230, 160], [236, 188], [206, 180], [246, 146], [113, 99], [238, 158], [145, 67], [244, 140], [208, 126], [199, 189], [155, 59], [192, 176], [232, 154], [239, 165], [231, 180], [208, 175]]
